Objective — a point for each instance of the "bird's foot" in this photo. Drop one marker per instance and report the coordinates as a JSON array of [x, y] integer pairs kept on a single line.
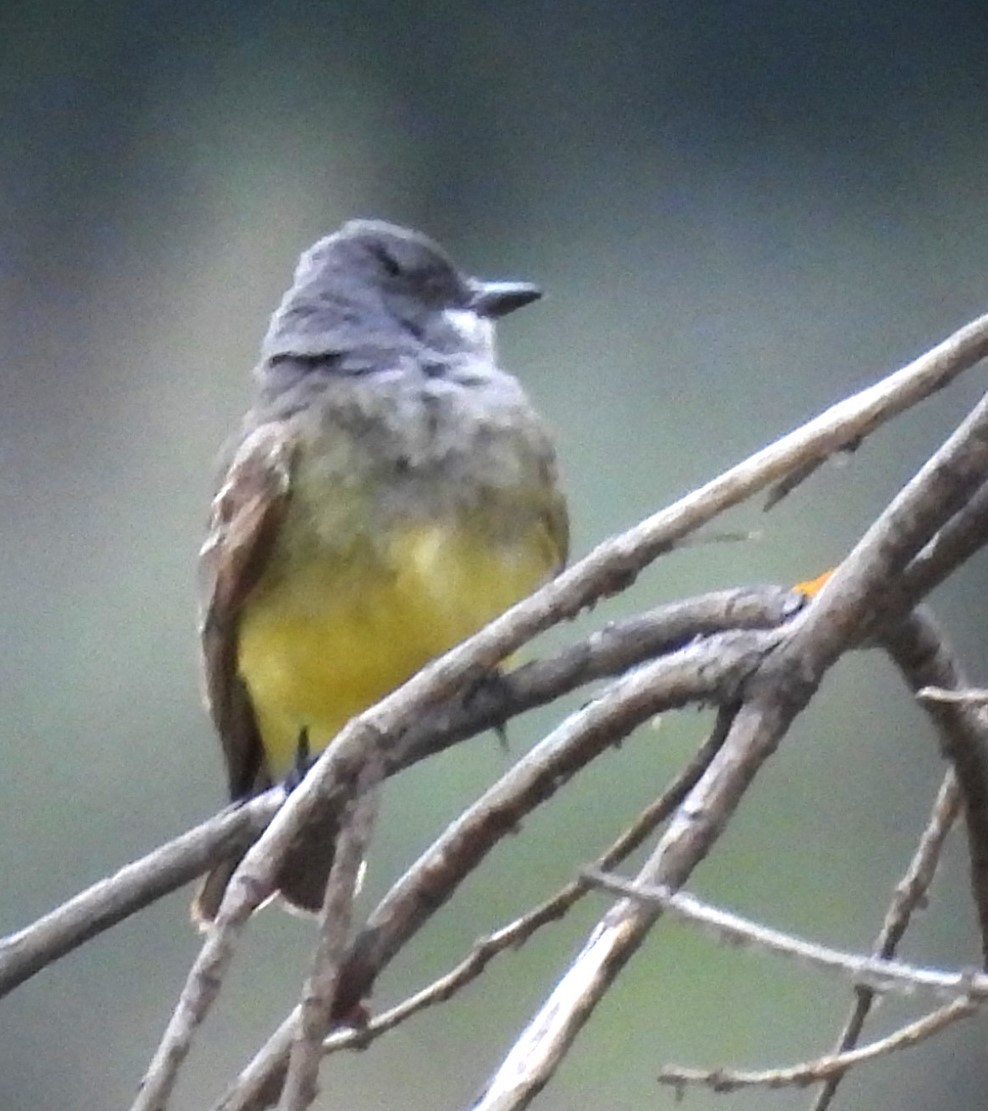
[[303, 761], [492, 686]]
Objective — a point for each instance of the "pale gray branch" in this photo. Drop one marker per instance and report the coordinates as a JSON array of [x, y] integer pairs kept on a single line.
[[133, 887], [826, 1068], [874, 972], [909, 894], [319, 993], [609, 568], [833, 622]]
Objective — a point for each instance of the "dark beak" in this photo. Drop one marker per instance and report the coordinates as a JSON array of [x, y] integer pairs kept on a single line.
[[494, 299]]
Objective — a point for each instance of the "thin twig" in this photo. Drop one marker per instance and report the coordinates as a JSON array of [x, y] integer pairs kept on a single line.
[[707, 671], [201, 988], [732, 929], [823, 1068], [925, 658], [909, 893], [132, 888], [975, 696], [516, 933], [963, 535], [256, 1087], [608, 569], [864, 582], [319, 993], [852, 441], [832, 622], [259, 1085], [539, 1049], [616, 647]]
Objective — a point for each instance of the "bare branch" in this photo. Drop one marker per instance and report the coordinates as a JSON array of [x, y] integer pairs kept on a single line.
[[924, 657], [706, 671], [909, 894], [877, 973], [538, 1051], [521, 929], [610, 567], [832, 622], [963, 535], [259, 1085], [823, 1068], [976, 696], [968, 339], [256, 1087], [319, 993], [201, 988], [861, 586], [609, 651], [133, 887]]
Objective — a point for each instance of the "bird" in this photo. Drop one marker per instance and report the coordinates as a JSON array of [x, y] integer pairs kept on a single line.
[[390, 490]]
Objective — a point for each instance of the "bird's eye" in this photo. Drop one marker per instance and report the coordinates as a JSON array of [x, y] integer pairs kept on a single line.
[[389, 263]]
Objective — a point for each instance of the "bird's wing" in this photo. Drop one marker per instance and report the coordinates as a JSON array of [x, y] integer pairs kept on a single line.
[[247, 513], [551, 508], [556, 519]]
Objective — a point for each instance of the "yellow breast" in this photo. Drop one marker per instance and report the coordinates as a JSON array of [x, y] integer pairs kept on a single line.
[[327, 634]]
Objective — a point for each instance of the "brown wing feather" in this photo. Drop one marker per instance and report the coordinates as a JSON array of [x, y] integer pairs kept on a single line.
[[246, 515], [557, 523], [555, 516]]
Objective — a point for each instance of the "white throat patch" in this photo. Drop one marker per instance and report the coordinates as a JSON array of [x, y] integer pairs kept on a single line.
[[476, 331]]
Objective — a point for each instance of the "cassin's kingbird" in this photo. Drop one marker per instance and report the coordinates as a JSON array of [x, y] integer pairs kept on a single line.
[[390, 491]]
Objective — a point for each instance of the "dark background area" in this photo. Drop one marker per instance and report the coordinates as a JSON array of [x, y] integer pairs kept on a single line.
[[740, 212]]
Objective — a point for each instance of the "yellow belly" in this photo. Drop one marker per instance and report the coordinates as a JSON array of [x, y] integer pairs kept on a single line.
[[324, 637]]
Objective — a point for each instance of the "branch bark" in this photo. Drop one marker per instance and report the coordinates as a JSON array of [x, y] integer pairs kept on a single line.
[[934, 523]]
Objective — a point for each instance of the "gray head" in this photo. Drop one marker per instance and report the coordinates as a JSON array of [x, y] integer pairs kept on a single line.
[[373, 288]]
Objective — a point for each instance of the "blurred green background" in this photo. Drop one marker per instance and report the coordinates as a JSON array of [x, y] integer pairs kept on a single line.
[[740, 212]]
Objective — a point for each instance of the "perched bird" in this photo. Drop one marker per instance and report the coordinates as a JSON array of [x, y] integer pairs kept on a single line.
[[390, 490]]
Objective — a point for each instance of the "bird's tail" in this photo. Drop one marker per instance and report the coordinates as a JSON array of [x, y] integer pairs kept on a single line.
[[301, 881]]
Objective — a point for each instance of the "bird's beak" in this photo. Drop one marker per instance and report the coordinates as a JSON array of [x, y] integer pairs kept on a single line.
[[494, 299]]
